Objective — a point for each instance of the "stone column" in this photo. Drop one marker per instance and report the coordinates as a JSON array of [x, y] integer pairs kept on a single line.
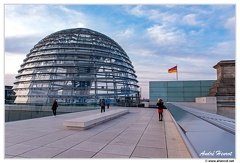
[[224, 88], [225, 83]]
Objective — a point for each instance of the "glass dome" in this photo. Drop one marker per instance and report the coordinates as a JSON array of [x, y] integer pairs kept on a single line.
[[75, 66]]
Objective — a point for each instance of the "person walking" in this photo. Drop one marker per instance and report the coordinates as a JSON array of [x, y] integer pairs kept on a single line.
[[103, 104], [108, 103], [54, 107], [160, 106]]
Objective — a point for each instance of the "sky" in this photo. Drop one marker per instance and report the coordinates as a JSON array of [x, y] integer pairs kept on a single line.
[[156, 37]]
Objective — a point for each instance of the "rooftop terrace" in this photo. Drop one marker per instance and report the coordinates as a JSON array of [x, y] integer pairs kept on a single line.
[[137, 134]]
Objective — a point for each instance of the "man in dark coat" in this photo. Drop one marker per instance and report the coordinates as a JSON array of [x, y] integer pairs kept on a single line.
[[103, 104], [54, 107]]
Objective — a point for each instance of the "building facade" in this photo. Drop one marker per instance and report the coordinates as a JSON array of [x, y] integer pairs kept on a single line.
[[75, 66], [179, 91]]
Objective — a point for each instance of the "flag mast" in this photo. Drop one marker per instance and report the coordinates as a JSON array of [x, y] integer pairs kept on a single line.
[[177, 74]]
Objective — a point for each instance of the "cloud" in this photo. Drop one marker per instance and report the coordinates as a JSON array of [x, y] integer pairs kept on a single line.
[[164, 36], [9, 79], [164, 18], [190, 19], [223, 50], [13, 62], [125, 34], [196, 33], [21, 44], [154, 14], [203, 10], [143, 52], [25, 20], [191, 63], [231, 24], [136, 11], [80, 25]]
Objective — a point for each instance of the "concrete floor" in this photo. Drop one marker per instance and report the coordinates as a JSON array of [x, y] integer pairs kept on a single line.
[[137, 134]]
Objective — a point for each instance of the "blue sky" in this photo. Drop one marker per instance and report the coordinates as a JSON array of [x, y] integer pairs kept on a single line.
[[155, 37]]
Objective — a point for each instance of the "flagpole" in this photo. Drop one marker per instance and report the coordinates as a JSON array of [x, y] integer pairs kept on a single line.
[[177, 74]]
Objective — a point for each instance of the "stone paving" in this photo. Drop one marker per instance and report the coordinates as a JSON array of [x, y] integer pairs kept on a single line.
[[137, 134]]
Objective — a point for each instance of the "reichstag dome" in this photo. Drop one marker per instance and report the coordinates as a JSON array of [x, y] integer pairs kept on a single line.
[[75, 66]]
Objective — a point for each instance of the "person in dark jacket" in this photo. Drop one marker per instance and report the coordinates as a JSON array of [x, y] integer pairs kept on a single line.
[[54, 107], [160, 106], [103, 104]]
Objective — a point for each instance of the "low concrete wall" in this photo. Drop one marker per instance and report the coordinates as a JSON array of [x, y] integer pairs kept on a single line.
[[146, 104], [153, 104], [21, 112], [227, 111], [208, 107], [206, 100], [49, 108]]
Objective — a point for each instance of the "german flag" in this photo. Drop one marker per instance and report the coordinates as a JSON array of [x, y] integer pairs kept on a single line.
[[171, 70]]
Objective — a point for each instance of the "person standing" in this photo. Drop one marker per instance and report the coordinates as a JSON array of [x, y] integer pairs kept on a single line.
[[160, 106], [54, 107], [103, 104], [108, 103]]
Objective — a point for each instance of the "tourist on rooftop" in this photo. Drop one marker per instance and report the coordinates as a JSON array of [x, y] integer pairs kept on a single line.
[[108, 103], [102, 104], [54, 107], [160, 106]]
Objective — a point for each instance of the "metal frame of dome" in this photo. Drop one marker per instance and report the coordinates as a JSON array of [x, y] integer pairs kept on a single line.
[[75, 66]]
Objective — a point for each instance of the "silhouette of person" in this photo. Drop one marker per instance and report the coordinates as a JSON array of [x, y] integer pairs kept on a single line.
[[54, 107], [108, 103], [103, 104]]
